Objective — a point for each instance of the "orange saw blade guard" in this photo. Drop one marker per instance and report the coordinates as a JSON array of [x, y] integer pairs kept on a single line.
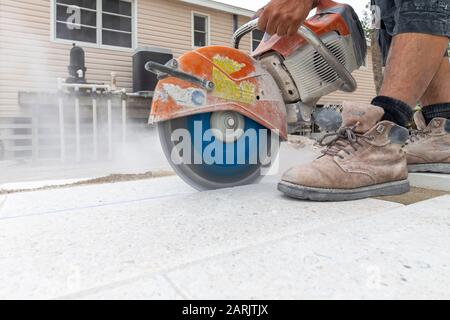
[[239, 84]]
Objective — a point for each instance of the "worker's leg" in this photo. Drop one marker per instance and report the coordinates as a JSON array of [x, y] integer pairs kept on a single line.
[[436, 100], [438, 91], [415, 34], [429, 149], [365, 158], [413, 62]]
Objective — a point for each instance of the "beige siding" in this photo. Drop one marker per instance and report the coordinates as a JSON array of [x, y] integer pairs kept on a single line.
[[168, 24], [30, 60], [245, 41]]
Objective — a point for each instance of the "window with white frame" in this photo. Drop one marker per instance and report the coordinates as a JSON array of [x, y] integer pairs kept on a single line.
[[101, 22], [200, 30], [257, 37]]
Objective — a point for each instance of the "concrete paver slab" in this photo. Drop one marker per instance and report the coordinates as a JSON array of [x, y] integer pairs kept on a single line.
[[100, 245], [402, 253], [88, 196]]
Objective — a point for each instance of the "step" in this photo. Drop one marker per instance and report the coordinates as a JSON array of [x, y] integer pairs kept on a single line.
[[431, 181]]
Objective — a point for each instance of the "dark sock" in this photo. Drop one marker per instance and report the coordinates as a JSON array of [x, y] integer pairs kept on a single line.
[[394, 110], [441, 110]]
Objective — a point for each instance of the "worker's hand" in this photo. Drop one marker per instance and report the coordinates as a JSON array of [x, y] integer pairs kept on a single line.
[[284, 17]]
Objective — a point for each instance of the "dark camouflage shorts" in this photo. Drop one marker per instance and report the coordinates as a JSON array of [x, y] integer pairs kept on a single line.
[[416, 16]]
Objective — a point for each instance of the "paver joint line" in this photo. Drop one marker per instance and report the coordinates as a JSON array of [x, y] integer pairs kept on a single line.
[[91, 207], [177, 288]]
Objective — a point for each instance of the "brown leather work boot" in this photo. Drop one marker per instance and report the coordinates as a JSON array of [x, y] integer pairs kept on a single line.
[[428, 149], [363, 159]]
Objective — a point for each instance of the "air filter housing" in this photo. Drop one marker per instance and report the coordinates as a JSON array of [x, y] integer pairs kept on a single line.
[[313, 76]]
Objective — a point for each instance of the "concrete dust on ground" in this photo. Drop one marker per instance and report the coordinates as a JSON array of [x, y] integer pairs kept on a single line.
[[112, 178], [414, 196]]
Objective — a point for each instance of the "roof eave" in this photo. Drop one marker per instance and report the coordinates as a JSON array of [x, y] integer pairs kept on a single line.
[[221, 7]]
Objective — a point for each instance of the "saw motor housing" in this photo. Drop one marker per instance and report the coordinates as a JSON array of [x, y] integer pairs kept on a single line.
[[301, 73]]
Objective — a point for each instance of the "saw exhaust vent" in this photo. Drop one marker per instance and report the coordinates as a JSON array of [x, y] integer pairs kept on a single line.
[[312, 74]]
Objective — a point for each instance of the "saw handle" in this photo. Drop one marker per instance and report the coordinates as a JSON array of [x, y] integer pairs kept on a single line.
[[164, 70], [349, 83]]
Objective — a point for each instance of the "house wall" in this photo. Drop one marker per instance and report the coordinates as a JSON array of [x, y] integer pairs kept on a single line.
[[30, 60]]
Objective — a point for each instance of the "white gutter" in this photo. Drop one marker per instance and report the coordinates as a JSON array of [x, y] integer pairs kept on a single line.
[[221, 7]]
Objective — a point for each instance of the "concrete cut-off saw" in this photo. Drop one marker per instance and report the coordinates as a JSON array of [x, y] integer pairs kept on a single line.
[[220, 111]]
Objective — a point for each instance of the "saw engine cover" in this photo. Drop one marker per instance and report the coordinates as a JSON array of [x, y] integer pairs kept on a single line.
[[300, 71]]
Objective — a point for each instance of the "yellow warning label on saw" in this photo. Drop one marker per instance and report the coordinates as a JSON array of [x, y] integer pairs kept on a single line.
[[225, 87]]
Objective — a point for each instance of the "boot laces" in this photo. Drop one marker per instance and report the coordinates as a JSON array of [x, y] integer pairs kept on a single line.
[[416, 135], [341, 139]]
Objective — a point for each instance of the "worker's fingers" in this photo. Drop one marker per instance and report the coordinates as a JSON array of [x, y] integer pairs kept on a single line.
[[282, 29], [293, 29], [262, 23], [273, 21], [272, 26], [284, 17]]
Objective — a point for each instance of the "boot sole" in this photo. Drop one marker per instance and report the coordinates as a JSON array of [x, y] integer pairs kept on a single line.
[[319, 194], [430, 167]]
